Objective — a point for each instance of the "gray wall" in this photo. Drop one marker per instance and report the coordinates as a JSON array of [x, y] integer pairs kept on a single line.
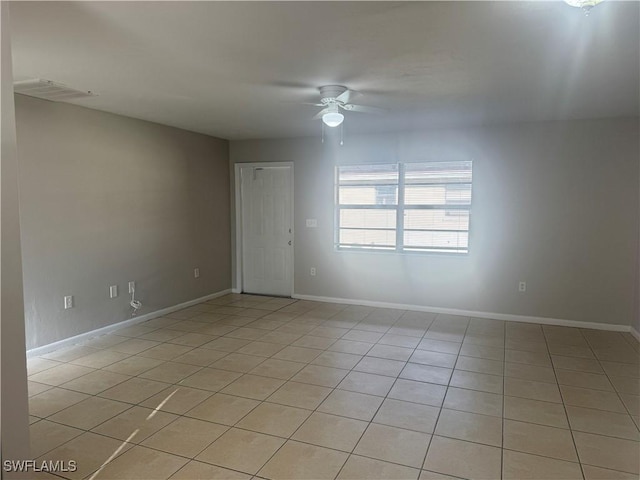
[[636, 322], [14, 414], [107, 199], [555, 204]]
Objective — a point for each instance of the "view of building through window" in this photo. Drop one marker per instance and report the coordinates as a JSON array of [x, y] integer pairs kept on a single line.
[[415, 207]]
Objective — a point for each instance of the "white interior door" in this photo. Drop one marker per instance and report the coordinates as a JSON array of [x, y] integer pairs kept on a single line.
[[267, 239]]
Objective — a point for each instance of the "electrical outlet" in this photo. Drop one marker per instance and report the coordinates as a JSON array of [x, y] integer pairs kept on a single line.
[[68, 302], [132, 287], [113, 291], [196, 273], [312, 223], [522, 287], [312, 272]]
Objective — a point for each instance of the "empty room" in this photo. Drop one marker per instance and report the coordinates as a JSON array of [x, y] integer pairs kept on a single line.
[[320, 240]]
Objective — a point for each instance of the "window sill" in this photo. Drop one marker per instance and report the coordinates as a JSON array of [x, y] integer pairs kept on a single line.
[[403, 253]]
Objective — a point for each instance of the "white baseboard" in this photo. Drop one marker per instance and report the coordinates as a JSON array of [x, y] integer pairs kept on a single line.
[[125, 323], [236, 290], [470, 313], [419, 308]]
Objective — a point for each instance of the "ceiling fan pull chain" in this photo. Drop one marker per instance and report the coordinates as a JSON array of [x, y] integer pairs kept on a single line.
[[342, 134], [322, 132]]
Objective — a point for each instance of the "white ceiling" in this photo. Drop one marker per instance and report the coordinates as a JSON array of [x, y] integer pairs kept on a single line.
[[236, 69]]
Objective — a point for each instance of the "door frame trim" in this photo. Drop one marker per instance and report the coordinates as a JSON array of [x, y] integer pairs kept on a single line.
[[239, 283]]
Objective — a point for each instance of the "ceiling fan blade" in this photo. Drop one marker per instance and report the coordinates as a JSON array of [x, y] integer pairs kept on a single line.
[[295, 102], [320, 113], [347, 95], [363, 109]]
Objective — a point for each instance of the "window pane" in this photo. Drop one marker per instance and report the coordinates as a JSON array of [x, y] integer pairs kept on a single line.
[[367, 218], [425, 195], [368, 195], [375, 186], [438, 172], [458, 194], [368, 174], [368, 237], [443, 194], [436, 241], [436, 219]]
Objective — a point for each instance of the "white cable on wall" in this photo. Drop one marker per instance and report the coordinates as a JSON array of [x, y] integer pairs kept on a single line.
[[135, 304]]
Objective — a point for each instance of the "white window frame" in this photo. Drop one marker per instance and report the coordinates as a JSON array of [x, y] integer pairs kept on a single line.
[[400, 209]]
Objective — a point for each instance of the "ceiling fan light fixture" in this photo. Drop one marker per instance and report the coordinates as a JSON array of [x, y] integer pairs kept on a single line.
[[585, 5], [332, 119]]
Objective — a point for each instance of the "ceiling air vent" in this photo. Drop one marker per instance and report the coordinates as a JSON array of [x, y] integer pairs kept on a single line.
[[48, 90]]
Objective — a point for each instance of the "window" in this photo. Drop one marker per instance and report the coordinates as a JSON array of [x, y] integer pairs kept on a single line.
[[412, 207], [367, 206]]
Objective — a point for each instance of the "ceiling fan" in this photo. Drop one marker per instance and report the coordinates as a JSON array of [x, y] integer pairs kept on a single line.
[[333, 99]]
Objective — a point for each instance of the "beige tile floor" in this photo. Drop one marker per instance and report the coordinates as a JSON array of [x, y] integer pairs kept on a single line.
[[245, 386]]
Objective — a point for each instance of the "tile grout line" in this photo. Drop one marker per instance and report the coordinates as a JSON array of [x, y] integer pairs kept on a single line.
[[564, 407], [504, 396], [382, 403], [435, 425], [615, 390]]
